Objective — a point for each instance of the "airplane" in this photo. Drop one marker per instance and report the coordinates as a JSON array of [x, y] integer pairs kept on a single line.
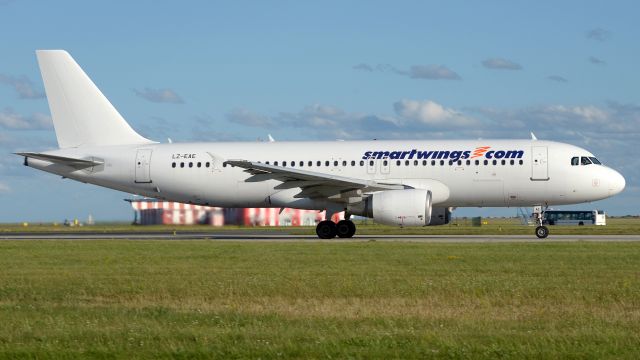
[[394, 182]]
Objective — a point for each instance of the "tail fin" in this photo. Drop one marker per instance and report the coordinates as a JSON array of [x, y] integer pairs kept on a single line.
[[82, 115]]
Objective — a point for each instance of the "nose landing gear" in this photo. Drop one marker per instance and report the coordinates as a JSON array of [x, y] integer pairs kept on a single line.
[[541, 230]]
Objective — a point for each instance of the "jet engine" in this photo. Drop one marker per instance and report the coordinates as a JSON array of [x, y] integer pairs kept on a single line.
[[410, 207]]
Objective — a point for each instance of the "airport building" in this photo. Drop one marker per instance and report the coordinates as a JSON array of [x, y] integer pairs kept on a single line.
[[156, 212]]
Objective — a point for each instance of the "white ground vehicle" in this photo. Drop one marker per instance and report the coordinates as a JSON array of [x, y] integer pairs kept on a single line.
[[575, 217]]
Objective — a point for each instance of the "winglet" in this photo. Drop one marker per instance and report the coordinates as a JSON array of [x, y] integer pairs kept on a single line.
[[271, 139], [533, 136]]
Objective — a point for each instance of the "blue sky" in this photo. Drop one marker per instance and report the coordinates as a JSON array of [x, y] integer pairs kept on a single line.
[[220, 71]]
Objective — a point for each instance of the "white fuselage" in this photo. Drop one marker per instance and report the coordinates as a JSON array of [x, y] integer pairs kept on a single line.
[[493, 173]]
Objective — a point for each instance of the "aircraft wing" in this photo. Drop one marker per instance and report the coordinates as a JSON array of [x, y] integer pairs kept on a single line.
[[313, 184], [63, 160]]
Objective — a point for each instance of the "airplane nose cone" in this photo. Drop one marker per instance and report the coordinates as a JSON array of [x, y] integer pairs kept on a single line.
[[616, 183]]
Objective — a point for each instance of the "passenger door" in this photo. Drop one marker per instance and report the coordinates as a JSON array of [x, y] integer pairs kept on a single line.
[[143, 166], [539, 165]]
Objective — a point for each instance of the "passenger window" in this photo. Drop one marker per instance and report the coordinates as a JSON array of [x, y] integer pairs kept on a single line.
[[486, 162], [199, 164], [353, 163], [385, 162], [293, 164], [310, 163], [266, 162], [370, 162], [450, 162], [415, 162], [207, 164], [459, 162], [284, 163], [181, 164], [468, 162], [512, 162], [406, 162], [275, 163], [173, 165], [441, 162], [477, 162], [585, 160], [318, 163], [344, 163], [398, 162], [361, 162], [326, 163], [575, 161], [504, 162], [335, 163], [424, 162], [433, 163]]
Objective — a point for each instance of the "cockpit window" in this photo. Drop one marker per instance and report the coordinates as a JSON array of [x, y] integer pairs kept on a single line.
[[575, 161], [595, 161], [585, 160]]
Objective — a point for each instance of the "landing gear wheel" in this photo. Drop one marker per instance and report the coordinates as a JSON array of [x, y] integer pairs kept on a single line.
[[326, 229], [542, 232], [345, 228]]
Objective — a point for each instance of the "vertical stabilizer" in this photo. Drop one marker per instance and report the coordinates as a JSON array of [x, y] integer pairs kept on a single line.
[[82, 115]]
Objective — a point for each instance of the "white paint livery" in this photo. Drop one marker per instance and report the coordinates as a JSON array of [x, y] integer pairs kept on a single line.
[[409, 182]]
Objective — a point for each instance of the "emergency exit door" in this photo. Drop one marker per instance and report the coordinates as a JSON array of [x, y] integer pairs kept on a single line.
[[539, 163], [143, 166]]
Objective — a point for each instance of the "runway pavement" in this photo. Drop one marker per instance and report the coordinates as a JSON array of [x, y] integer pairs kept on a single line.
[[262, 236]]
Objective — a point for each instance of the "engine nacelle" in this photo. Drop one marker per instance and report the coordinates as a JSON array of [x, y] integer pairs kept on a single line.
[[410, 207]]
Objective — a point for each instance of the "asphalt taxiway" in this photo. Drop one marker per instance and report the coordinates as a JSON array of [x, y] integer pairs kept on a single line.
[[262, 236]]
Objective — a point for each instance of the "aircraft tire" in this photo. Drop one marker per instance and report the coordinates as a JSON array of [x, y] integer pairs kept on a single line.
[[542, 232], [326, 229], [345, 228]]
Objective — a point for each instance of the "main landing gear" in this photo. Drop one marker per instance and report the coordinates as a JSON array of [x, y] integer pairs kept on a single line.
[[327, 229]]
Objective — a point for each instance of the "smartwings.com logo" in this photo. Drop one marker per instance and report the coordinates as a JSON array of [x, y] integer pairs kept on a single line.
[[479, 152]]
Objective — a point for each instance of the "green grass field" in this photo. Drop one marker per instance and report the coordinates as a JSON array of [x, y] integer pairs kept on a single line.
[[209, 299], [460, 226]]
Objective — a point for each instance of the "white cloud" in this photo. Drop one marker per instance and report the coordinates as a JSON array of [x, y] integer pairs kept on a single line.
[[431, 113], [501, 64], [159, 95], [248, 118], [363, 67], [22, 85], [557, 78], [596, 61], [4, 188], [424, 72], [432, 72], [13, 121], [598, 34]]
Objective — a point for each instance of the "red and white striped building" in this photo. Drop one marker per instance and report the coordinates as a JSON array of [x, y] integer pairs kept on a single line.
[[155, 212]]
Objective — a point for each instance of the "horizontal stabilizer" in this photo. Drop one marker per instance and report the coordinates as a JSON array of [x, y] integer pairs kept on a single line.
[[63, 160]]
